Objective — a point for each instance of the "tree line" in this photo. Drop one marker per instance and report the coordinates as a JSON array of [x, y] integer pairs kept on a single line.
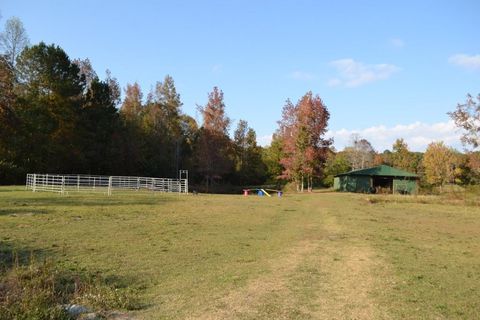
[[58, 116]]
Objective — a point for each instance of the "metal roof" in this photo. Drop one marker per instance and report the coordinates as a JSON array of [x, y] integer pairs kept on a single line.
[[382, 170]]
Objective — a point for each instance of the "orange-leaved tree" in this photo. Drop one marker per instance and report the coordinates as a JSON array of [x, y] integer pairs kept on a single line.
[[214, 150]]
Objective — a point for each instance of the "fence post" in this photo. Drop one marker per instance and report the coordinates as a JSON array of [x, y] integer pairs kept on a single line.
[[110, 185], [63, 185], [78, 182], [34, 182]]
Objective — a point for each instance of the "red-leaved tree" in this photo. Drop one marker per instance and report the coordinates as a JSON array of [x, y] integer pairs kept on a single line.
[[302, 132]]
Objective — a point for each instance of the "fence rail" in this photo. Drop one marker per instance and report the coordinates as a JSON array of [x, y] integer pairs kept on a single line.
[[104, 184]]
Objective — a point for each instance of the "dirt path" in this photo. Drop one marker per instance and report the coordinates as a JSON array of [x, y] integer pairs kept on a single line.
[[351, 270], [326, 275], [247, 302]]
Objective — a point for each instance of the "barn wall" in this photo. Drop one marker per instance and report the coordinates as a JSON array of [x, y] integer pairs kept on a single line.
[[353, 183], [336, 183], [363, 184], [405, 186]]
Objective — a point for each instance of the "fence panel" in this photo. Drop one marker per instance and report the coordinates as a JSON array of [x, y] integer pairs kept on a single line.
[[102, 184]]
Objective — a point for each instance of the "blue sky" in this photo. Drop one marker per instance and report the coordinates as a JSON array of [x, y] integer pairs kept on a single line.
[[385, 69]]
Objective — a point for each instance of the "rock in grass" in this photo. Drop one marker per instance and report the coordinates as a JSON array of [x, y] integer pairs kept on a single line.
[[75, 310]]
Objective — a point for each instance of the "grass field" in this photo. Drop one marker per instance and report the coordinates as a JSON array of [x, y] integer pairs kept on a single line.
[[311, 256]]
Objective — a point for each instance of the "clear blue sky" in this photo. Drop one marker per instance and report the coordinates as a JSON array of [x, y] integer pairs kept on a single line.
[[384, 68]]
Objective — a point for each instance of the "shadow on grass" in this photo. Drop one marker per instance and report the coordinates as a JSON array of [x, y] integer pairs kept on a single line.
[[22, 211], [11, 256], [46, 199]]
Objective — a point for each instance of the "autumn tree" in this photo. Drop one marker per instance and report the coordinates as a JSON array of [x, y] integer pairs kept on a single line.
[[439, 163], [213, 149], [169, 103], [402, 158], [13, 39], [360, 152], [383, 158], [132, 137], [467, 117], [132, 104], [461, 171], [473, 164], [302, 129]]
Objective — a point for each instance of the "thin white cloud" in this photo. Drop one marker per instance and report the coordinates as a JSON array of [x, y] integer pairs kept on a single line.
[[470, 62], [301, 75], [397, 43], [352, 73], [417, 135]]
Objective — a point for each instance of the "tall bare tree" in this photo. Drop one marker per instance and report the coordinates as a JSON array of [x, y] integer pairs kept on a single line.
[[13, 39], [360, 153]]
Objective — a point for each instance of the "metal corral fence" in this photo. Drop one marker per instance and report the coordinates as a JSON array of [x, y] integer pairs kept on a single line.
[[104, 184]]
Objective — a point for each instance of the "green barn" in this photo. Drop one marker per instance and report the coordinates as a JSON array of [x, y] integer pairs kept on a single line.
[[380, 179]]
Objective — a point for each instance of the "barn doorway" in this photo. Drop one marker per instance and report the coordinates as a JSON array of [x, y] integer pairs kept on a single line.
[[382, 184]]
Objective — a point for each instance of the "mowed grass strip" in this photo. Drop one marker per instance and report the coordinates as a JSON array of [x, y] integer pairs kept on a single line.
[[309, 256]]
